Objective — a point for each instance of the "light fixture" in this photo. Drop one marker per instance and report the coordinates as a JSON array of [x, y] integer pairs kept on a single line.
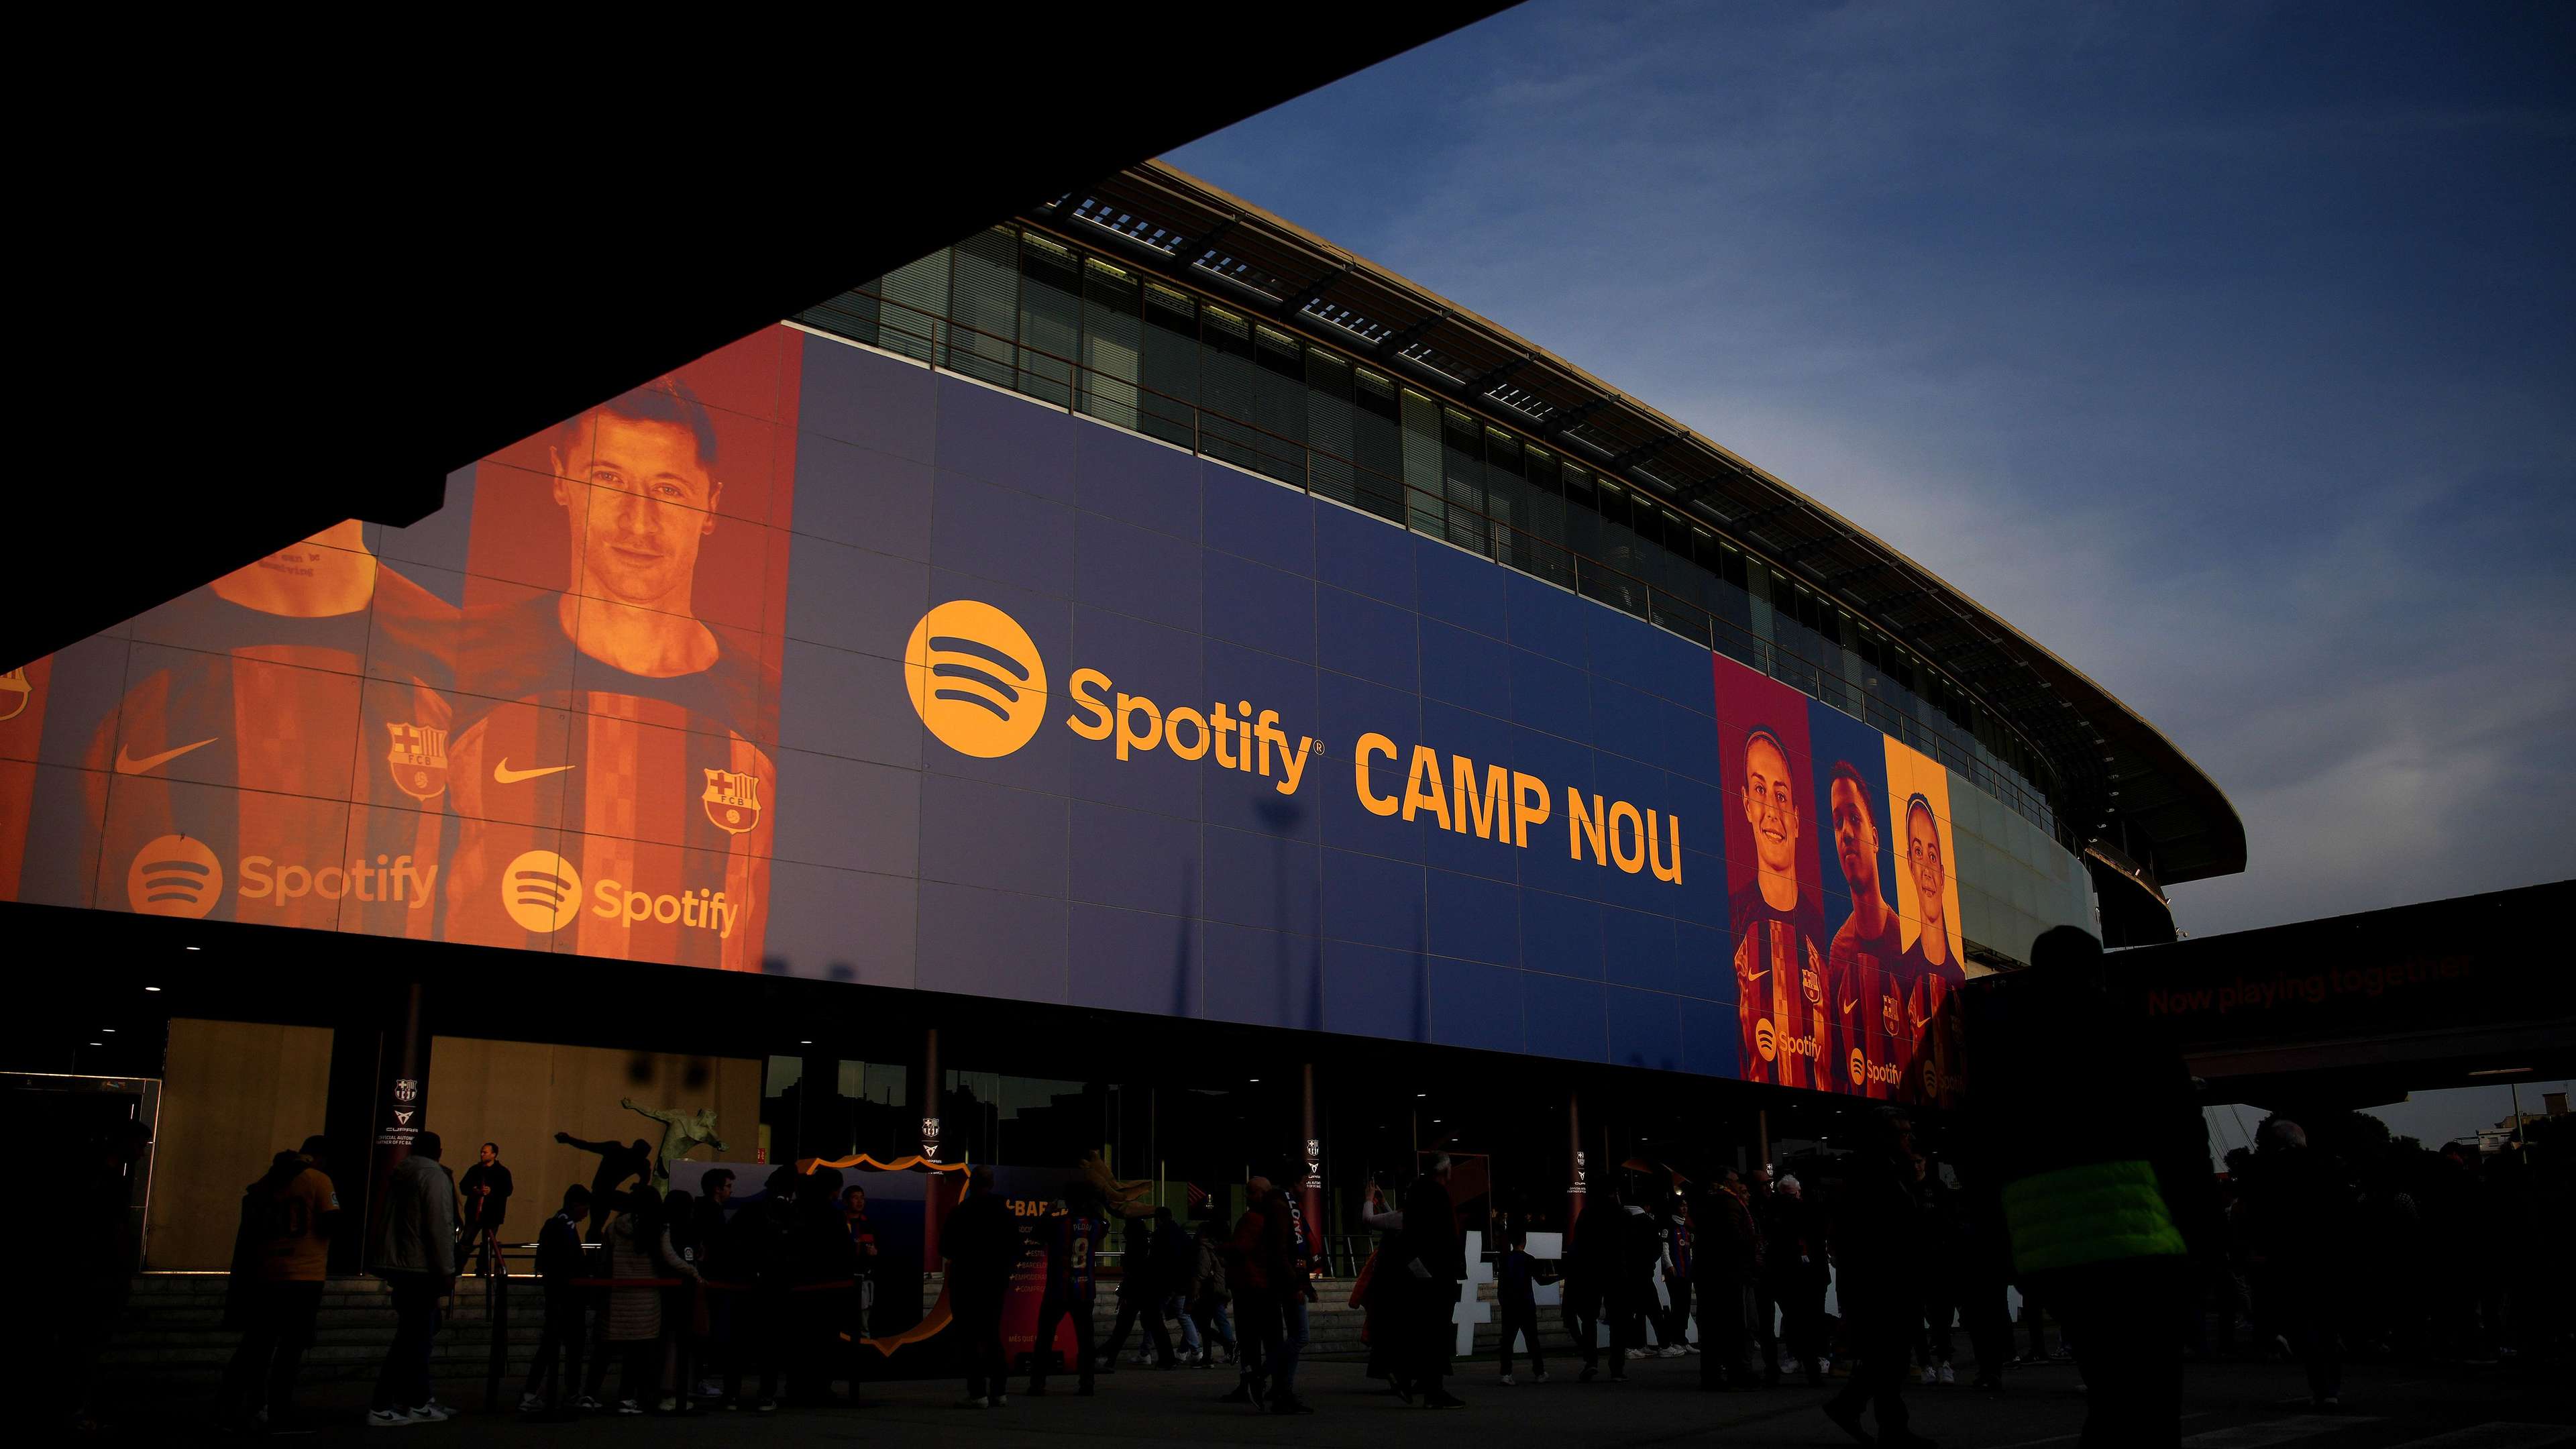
[[809, 1041], [1422, 1094], [196, 948], [111, 1031], [156, 988], [98, 1043], [1254, 1080]]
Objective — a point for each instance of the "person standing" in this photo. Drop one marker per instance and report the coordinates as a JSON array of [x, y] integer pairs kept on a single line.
[[559, 1262], [1073, 1238], [1283, 1243], [1875, 1241], [1176, 1260], [1730, 1263], [758, 1255], [1381, 1296], [415, 1253], [279, 1263], [1796, 1272], [1680, 1273], [863, 1241], [1516, 1298], [2107, 1195], [1430, 1258], [981, 1242], [1591, 1283], [487, 1203]]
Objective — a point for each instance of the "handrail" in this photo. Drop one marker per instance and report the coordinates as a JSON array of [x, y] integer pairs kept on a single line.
[[1609, 584]]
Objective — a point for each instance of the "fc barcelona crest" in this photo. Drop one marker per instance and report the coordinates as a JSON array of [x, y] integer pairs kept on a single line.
[[732, 801], [1813, 987], [15, 691], [1887, 1012], [418, 759]]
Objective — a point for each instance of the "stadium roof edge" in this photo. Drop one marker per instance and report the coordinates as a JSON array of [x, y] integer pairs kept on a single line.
[[2119, 774]]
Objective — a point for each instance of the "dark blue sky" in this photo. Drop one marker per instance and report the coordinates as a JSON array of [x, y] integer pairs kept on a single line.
[[2228, 351]]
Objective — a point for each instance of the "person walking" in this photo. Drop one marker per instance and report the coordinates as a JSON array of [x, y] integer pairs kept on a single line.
[[981, 1242], [1175, 1253], [2107, 1195], [1208, 1295], [1253, 1276], [559, 1262], [1641, 1248], [1516, 1303], [1876, 1242], [1795, 1272], [486, 1187], [1140, 1300], [2300, 1224], [1730, 1262], [1283, 1243], [415, 1253], [1431, 1259], [1073, 1239], [1592, 1272], [279, 1263], [639, 1251]]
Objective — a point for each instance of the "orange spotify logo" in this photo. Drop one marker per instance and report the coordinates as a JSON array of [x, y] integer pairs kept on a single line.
[[1766, 1040], [975, 678], [1859, 1067], [174, 876], [541, 891]]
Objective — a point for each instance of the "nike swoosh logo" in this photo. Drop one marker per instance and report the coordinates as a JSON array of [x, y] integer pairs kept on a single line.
[[503, 774], [127, 765]]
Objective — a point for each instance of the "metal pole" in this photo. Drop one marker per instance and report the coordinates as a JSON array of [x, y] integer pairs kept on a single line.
[[1575, 1188]]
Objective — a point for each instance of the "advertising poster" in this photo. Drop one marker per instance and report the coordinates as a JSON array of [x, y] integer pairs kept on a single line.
[[1928, 894], [1776, 933], [1864, 958]]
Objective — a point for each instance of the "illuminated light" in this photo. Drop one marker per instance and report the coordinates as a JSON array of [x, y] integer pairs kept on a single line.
[[191, 948], [156, 988], [111, 1031], [807, 1042], [1422, 1094]]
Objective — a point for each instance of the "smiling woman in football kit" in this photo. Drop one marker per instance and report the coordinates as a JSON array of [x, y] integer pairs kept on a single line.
[[615, 800], [1784, 987]]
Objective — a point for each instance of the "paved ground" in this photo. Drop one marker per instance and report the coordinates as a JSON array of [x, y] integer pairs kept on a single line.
[[2228, 1406]]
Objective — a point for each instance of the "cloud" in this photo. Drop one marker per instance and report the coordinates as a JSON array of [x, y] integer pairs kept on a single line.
[[2228, 358]]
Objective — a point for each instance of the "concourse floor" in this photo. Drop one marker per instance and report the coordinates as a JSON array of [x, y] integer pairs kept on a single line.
[[2227, 1406]]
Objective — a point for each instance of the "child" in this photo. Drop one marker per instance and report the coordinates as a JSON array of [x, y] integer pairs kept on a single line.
[[1515, 1284]]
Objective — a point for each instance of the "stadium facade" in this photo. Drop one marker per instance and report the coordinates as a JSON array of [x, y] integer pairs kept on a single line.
[[1139, 680]]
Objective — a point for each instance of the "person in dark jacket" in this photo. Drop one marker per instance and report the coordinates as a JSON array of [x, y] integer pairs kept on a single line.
[[1429, 1256], [1729, 1263], [1140, 1300], [416, 1256], [486, 1186], [1794, 1273], [827, 1269], [1073, 1239], [1592, 1273], [2107, 1193], [1876, 1245], [280, 1260], [758, 1254], [559, 1262], [982, 1242], [2299, 1226]]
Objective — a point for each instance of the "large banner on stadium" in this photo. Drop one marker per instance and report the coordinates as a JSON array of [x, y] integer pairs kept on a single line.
[[807, 660]]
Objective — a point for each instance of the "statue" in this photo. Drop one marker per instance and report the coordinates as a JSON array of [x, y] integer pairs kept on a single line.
[[1127, 1199], [681, 1131]]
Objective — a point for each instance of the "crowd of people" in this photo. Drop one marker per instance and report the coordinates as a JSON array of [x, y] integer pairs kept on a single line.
[[2100, 1213]]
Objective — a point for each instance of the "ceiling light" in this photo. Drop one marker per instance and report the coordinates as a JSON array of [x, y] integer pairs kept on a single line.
[[196, 948], [156, 988]]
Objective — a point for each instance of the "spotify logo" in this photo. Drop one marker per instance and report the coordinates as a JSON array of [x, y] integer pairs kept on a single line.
[[975, 678], [1859, 1068], [174, 876], [1766, 1040], [541, 890]]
